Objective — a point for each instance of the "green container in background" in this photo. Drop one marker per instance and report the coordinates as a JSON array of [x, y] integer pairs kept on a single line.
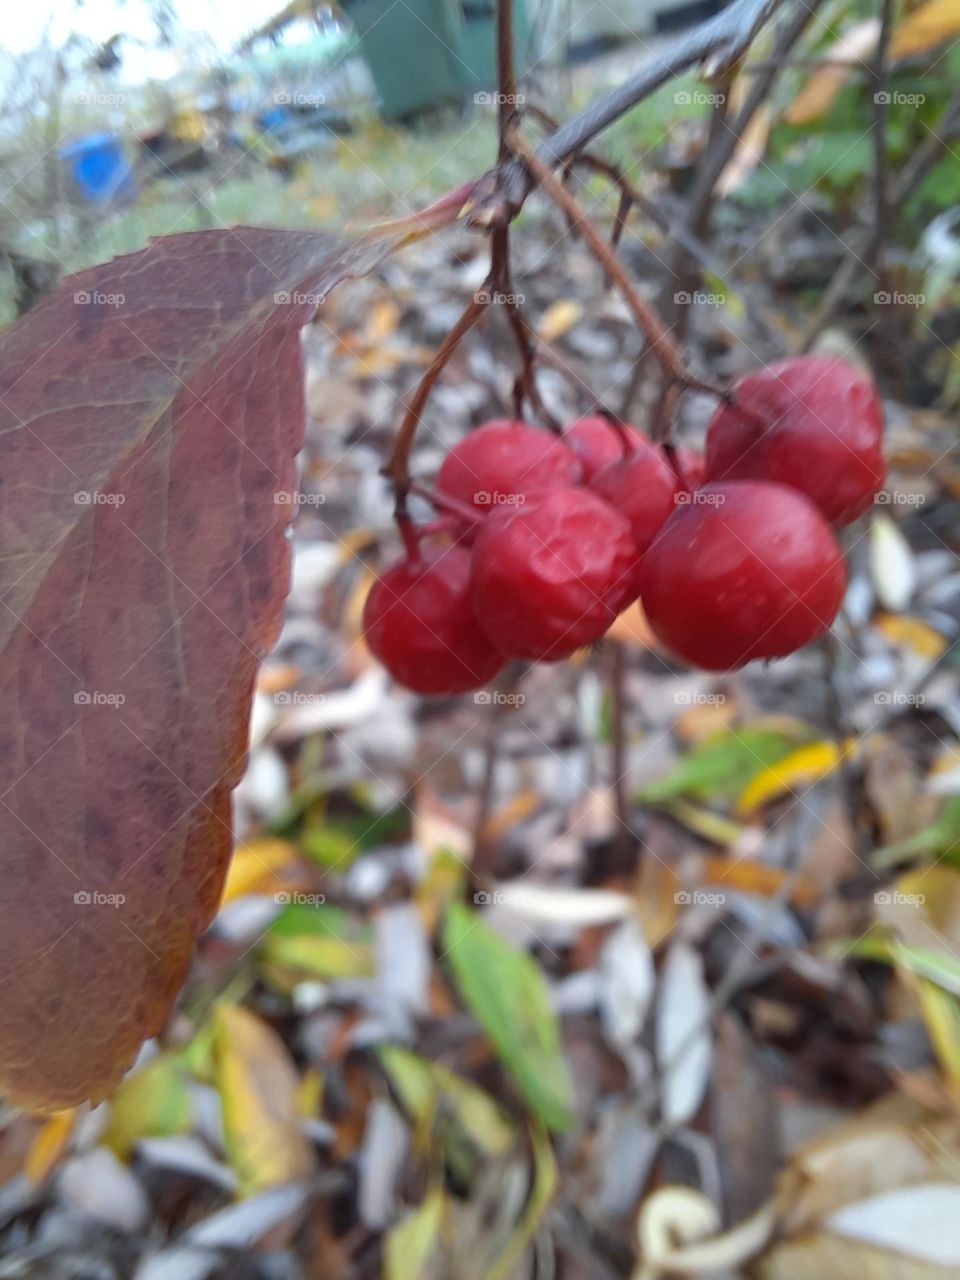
[[479, 42], [425, 53]]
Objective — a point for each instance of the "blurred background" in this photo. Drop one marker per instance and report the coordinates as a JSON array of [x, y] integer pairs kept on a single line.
[[719, 955]]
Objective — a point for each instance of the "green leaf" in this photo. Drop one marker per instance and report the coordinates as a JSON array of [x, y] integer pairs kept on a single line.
[[724, 763], [152, 1102], [939, 966], [506, 991]]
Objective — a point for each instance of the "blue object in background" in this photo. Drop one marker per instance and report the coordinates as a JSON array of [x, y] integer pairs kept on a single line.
[[99, 167]]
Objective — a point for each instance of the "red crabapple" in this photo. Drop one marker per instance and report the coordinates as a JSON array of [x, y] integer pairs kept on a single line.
[[643, 487], [551, 575], [505, 459], [746, 569], [418, 621], [596, 442], [820, 431]]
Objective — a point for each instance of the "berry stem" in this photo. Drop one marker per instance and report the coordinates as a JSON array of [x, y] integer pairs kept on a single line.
[[443, 502]]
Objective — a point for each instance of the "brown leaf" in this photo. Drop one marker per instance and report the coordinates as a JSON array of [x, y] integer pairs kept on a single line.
[[150, 417]]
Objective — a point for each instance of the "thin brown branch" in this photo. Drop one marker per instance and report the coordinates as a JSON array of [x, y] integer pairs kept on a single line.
[[661, 343], [398, 467]]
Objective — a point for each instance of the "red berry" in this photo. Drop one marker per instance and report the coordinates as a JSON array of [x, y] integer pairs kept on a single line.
[[643, 487], [417, 620], [821, 432], [502, 460], [596, 443], [551, 576], [743, 570]]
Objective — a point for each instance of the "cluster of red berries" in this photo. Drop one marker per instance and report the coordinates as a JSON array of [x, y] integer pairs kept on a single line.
[[732, 554]]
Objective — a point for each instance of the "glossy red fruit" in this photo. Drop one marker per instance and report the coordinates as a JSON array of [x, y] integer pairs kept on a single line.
[[503, 460], [551, 576], [821, 433], [596, 443], [745, 570], [418, 621], [643, 487]]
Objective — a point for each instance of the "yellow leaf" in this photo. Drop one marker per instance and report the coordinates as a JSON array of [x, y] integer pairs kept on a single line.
[[941, 1016], [410, 1245], [818, 94], [259, 1093], [911, 633], [256, 867], [384, 316], [926, 27], [802, 767], [48, 1145], [559, 318]]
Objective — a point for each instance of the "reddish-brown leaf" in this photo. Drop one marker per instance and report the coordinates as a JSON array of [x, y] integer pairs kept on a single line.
[[150, 414]]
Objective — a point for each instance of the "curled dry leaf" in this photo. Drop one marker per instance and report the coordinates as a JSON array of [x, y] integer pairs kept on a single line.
[[150, 418]]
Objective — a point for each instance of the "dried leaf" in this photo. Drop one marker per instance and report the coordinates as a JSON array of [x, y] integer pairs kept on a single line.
[[559, 318], [926, 27], [258, 1091], [893, 567], [150, 418], [410, 1244], [921, 1222], [822, 88], [151, 1102]]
